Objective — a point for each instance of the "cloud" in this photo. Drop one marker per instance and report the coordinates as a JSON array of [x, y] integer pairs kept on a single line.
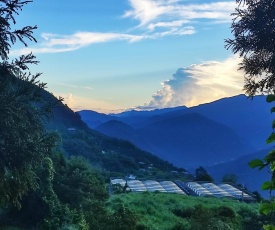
[[158, 13], [81, 39], [176, 23], [199, 84], [54, 43], [75, 86], [77, 103], [146, 11], [155, 19], [68, 99], [184, 31]]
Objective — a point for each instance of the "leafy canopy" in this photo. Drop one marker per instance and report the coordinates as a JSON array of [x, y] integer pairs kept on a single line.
[[254, 38], [253, 28], [202, 175], [24, 144]]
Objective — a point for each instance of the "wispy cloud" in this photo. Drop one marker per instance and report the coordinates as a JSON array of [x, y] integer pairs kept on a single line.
[[199, 84], [75, 86], [157, 13], [171, 24], [155, 19], [56, 43], [81, 39]]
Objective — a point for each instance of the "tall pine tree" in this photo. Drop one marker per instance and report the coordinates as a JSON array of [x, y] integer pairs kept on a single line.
[[24, 144]]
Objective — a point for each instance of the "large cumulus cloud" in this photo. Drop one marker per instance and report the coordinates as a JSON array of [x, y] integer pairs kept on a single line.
[[199, 84]]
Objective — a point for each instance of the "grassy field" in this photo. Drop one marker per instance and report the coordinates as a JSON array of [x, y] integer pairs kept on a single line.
[[162, 211]]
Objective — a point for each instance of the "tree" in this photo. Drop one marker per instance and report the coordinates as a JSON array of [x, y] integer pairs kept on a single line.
[[24, 144], [202, 175], [124, 219], [254, 38]]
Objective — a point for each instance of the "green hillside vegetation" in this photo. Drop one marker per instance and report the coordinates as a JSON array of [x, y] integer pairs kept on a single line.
[[70, 195], [117, 158], [178, 212]]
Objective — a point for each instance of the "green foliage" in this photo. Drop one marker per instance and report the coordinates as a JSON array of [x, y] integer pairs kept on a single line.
[[268, 185], [267, 208], [24, 143], [175, 212], [117, 158], [270, 98], [269, 227], [221, 217], [269, 161], [257, 163], [271, 138], [253, 31], [215, 218], [71, 195], [77, 183], [9, 36], [202, 175], [81, 188], [123, 219]]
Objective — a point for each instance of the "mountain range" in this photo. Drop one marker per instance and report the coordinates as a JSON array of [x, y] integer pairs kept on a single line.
[[222, 136], [207, 134]]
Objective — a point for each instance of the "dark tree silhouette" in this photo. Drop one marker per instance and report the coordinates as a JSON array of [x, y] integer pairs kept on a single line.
[[202, 175], [253, 28], [24, 144]]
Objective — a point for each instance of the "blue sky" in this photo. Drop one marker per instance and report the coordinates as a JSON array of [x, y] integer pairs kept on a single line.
[[112, 55]]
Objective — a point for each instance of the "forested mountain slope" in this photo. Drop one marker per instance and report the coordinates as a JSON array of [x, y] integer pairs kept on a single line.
[[106, 153]]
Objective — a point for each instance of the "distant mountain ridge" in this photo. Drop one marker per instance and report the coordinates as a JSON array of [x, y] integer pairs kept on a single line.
[[93, 119], [249, 118], [133, 117], [154, 112], [206, 134]]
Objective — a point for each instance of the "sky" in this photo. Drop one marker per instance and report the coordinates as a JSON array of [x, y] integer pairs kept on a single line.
[[113, 55]]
